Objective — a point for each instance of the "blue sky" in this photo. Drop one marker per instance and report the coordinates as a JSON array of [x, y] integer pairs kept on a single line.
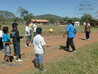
[[61, 8]]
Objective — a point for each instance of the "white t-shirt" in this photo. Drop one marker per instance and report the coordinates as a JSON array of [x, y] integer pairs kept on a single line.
[[1, 33], [38, 42], [34, 27], [27, 30]]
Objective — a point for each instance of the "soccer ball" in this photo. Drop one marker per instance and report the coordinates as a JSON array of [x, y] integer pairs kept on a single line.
[[51, 30]]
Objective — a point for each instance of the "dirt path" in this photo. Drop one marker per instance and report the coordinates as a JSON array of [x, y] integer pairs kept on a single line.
[[52, 41]]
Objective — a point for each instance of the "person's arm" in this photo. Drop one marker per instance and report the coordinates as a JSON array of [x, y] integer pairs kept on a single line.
[[65, 34], [67, 29], [17, 35], [7, 42], [44, 49], [28, 32], [43, 44], [75, 31]]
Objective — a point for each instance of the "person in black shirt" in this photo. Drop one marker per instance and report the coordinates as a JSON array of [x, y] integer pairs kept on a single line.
[[16, 41]]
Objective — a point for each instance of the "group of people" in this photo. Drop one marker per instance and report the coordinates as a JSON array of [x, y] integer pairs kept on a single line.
[[38, 41]]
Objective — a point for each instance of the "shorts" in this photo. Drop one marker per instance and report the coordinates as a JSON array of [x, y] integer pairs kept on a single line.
[[28, 38], [7, 50], [16, 48], [39, 58]]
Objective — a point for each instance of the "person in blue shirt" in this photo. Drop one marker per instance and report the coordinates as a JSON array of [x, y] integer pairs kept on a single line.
[[7, 50], [70, 31]]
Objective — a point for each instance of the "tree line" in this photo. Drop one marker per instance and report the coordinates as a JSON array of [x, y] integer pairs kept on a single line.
[[6, 16]]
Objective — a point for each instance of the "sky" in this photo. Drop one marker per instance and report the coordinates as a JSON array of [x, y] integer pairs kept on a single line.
[[61, 8]]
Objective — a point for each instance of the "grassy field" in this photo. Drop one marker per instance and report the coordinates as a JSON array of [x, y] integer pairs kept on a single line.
[[84, 61], [58, 30]]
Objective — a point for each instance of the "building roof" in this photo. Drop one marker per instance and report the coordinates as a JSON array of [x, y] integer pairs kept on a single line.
[[39, 20]]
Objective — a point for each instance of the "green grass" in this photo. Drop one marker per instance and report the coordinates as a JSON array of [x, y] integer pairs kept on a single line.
[[58, 30], [84, 61]]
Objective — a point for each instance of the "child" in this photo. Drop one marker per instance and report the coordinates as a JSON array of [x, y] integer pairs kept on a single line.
[[34, 30], [16, 41], [27, 33], [1, 43], [6, 40], [39, 47]]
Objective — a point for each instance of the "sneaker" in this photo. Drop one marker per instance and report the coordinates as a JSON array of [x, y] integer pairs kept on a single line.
[[3, 61], [10, 64], [42, 70], [74, 51], [14, 57], [19, 60], [26, 46], [29, 44]]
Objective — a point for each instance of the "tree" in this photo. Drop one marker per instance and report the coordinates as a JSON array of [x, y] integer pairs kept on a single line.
[[6, 15], [65, 18], [28, 17], [22, 12], [86, 17]]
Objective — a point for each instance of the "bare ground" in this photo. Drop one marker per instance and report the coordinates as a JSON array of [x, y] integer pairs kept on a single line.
[[52, 51]]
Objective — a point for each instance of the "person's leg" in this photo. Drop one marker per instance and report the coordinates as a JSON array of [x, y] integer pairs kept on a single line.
[[88, 35], [5, 57], [14, 49], [18, 52], [27, 43], [36, 60], [72, 44], [41, 61], [67, 43], [8, 58]]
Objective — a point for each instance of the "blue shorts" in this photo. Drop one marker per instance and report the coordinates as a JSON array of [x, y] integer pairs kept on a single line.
[[39, 58], [16, 48]]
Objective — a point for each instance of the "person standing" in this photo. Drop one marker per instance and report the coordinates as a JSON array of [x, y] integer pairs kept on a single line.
[[39, 47], [27, 34], [70, 31], [30, 28], [87, 30], [1, 42], [16, 42], [34, 30], [7, 50]]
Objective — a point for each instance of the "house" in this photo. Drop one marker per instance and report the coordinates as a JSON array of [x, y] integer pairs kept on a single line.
[[76, 23], [57, 22], [63, 23], [40, 21], [93, 23]]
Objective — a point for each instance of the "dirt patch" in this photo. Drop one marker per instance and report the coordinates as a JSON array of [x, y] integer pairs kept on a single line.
[[53, 50]]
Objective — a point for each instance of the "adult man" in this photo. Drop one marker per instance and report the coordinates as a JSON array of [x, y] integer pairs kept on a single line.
[[70, 31]]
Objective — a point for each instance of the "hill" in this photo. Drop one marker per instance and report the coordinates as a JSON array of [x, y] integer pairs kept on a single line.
[[47, 16]]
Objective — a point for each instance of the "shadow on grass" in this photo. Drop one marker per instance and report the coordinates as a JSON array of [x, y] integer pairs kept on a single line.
[[82, 38], [64, 48]]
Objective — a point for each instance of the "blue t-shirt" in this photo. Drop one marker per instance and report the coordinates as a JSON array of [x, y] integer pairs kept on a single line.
[[6, 38], [71, 31]]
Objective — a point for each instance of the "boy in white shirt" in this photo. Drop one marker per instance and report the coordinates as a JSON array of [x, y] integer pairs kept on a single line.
[[34, 30], [39, 47], [1, 43], [27, 34]]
